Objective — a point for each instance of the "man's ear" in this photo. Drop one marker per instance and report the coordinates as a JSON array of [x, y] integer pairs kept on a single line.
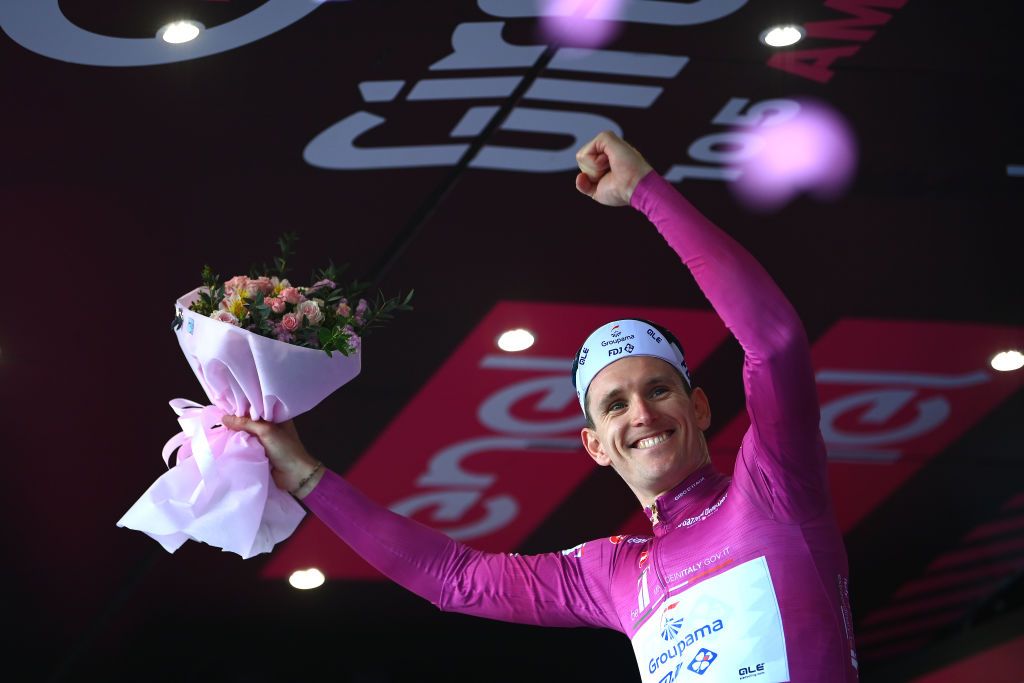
[[594, 447], [701, 408]]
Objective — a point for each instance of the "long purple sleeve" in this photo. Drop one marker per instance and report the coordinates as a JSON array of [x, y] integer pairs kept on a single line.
[[783, 448], [549, 589]]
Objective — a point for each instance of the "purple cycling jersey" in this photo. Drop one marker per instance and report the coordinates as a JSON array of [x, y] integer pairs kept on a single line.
[[744, 578]]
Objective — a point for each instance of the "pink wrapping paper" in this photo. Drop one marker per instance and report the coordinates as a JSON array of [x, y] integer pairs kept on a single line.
[[220, 491]]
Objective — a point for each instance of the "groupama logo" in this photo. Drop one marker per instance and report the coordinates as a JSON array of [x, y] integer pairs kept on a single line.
[[671, 623], [683, 640]]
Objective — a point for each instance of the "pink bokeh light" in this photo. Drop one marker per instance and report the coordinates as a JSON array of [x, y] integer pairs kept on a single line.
[[580, 23], [813, 152]]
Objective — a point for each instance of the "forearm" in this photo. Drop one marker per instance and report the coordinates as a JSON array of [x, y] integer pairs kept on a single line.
[[540, 589], [741, 291], [779, 381], [407, 552]]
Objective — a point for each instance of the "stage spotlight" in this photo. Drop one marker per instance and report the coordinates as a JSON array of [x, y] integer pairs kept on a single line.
[[1006, 361], [783, 36], [180, 31], [305, 579], [515, 340]]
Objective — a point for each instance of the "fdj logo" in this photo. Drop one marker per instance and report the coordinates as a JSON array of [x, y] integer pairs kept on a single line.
[[702, 661], [614, 352], [629, 348]]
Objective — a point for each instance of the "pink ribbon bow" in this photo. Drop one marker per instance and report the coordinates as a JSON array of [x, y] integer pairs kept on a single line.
[[218, 492]]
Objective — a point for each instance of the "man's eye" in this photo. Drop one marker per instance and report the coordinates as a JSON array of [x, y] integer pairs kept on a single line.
[[658, 391], [617, 405]]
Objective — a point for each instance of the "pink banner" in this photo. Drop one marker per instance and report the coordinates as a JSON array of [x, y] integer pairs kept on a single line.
[[894, 394]]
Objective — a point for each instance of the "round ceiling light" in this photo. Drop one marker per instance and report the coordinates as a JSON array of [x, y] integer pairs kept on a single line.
[[515, 340], [782, 36], [304, 579], [1008, 360], [180, 31]]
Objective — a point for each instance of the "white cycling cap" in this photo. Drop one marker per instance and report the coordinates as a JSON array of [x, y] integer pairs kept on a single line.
[[621, 339]]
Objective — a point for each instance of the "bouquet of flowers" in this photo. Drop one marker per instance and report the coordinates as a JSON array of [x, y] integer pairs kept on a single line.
[[263, 347]]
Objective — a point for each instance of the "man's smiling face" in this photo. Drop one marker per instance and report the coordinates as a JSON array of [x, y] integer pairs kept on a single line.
[[646, 427]]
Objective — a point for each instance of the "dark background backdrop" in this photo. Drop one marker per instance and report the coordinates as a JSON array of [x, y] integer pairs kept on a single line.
[[120, 182]]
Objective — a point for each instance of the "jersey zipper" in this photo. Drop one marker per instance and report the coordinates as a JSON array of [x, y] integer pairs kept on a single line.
[[654, 514], [655, 554]]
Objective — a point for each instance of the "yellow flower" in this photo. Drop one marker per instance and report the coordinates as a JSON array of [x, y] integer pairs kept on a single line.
[[279, 285], [235, 305]]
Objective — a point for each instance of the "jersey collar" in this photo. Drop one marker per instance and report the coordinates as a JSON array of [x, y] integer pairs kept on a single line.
[[688, 496]]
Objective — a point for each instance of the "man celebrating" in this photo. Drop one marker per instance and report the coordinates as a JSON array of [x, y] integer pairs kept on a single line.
[[745, 577]]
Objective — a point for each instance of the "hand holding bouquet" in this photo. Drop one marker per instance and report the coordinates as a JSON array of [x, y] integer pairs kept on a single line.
[[261, 347]]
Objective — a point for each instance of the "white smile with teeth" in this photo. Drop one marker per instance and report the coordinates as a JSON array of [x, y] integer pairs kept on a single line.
[[652, 440]]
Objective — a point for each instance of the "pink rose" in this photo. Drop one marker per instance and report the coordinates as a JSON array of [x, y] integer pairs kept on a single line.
[[225, 317], [344, 310], [311, 312], [261, 284], [291, 295], [291, 322], [276, 304], [236, 284]]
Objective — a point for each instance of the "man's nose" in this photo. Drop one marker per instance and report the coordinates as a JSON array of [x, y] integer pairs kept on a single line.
[[640, 412]]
